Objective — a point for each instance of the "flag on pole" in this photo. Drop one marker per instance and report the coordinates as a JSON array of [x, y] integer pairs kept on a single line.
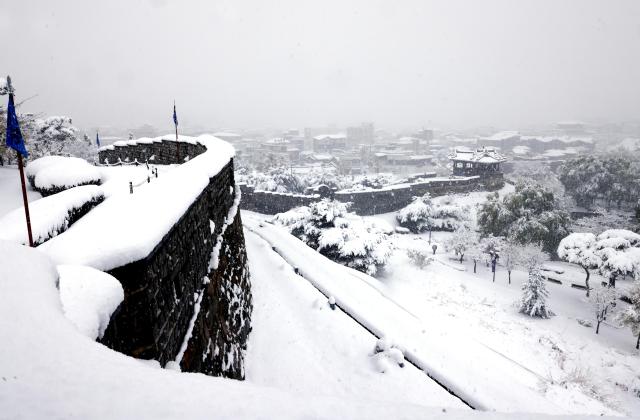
[[14, 135], [97, 139], [175, 116]]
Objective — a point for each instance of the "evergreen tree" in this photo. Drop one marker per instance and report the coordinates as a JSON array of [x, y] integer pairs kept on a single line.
[[534, 290], [534, 296]]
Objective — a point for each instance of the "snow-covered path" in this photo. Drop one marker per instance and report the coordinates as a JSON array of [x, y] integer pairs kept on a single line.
[[474, 370], [299, 344]]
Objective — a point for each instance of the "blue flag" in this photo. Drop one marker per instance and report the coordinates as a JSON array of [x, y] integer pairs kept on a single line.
[[14, 136], [97, 139], [175, 116]]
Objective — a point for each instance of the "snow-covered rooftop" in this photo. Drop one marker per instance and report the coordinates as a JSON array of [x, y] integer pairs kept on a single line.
[[338, 136], [483, 155]]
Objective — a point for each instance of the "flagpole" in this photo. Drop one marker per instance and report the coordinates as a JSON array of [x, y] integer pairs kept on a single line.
[[24, 198], [15, 141], [176, 124]]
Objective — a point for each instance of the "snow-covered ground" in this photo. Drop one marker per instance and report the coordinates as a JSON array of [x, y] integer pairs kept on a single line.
[[467, 331], [300, 345], [10, 190]]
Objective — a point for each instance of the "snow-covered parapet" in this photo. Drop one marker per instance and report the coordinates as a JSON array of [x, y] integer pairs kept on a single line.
[[162, 150], [51, 215], [130, 226]]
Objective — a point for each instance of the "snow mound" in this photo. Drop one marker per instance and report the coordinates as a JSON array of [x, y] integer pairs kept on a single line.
[[64, 174], [89, 297], [51, 215], [37, 165]]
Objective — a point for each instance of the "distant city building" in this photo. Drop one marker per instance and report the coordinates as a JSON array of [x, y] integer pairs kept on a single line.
[[480, 161], [425, 134], [326, 143], [363, 134]]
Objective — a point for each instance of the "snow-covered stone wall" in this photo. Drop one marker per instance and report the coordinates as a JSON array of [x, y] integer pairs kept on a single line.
[[189, 301], [159, 151], [269, 202], [372, 201]]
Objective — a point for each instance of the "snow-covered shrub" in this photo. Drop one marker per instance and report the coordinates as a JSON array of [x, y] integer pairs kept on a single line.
[[579, 248], [34, 166], [346, 238], [417, 215], [419, 256], [51, 215], [65, 174], [630, 316]]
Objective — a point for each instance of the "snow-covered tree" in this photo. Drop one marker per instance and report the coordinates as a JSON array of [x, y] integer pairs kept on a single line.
[[422, 215], [534, 290], [531, 214], [612, 178], [630, 316], [358, 244], [510, 255], [55, 136], [344, 237], [417, 216], [461, 240], [449, 216], [579, 248], [602, 299], [619, 254], [534, 296]]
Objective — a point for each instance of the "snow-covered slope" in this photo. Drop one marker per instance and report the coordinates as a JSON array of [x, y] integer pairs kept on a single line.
[[473, 370], [299, 344]]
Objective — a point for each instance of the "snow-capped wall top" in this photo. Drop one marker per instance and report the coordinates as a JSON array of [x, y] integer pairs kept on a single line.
[[149, 140], [127, 227]]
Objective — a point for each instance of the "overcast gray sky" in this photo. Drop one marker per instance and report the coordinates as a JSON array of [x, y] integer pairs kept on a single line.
[[294, 63]]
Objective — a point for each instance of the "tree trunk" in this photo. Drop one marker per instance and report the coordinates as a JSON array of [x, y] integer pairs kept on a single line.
[[598, 327], [638, 342], [461, 257], [612, 281], [509, 276], [586, 281], [474, 266]]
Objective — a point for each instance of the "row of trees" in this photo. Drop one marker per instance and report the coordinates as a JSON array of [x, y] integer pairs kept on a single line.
[[613, 253], [282, 179], [612, 178]]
